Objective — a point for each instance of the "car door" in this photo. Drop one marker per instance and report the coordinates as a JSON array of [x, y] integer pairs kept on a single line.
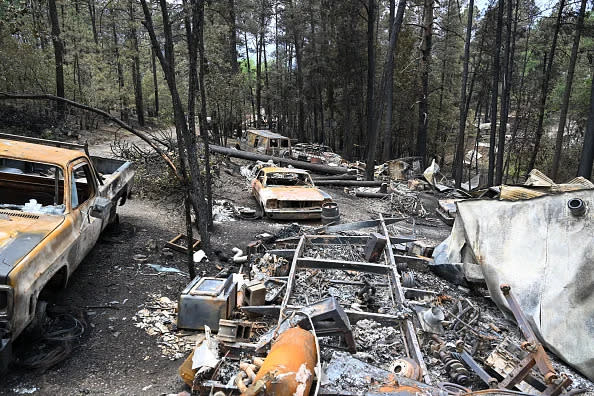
[[257, 185], [83, 191]]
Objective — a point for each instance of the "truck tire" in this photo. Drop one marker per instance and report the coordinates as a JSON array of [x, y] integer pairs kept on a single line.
[[35, 328]]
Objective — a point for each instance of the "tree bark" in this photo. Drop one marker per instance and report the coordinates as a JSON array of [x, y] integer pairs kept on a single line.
[[369, 171], [301, 110], [259, 46], [423, 121], [232, 38], [155, 81], [92, 14], [136, 77], [58, 56], [545, 90], [120, 73], [567, 91], [585, 167], [520, 91], [507, 75], [439, 134], [203, 124], [387, 149], [463, 108], [495, 92]]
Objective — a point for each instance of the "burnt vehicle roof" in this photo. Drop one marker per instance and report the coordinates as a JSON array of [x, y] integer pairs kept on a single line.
[[267, 133], [274, 169], [37, 152]]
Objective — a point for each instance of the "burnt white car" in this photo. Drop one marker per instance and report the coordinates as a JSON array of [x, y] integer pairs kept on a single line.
[[287, 193]]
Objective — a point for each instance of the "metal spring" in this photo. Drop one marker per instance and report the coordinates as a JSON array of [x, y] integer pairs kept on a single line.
[[455, 368]]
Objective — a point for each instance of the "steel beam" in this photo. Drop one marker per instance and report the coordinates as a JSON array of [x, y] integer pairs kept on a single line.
[[412, 342]]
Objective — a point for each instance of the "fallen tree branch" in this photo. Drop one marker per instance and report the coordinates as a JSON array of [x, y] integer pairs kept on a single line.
[[278, 160], [141, 135]]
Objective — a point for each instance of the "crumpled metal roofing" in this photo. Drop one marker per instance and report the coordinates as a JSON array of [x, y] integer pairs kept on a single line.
[[546, 255]]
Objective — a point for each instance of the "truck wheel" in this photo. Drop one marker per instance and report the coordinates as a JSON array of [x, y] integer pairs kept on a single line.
[[263, 211], [35, 328]]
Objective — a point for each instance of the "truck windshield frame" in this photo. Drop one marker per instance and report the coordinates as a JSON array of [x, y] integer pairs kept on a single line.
[[32, 186]]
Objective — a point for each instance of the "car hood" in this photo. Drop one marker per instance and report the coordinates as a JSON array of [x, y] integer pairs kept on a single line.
[[293, 193], [19, 233]]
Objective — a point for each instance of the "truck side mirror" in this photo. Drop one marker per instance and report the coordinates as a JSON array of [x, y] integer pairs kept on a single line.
[[101, 208]]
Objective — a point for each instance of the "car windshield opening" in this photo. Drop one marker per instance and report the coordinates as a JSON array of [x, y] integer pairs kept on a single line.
[[31, 187], [288, 179]]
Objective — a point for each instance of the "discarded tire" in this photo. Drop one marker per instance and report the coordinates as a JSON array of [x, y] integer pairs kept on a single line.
[[330, 213]]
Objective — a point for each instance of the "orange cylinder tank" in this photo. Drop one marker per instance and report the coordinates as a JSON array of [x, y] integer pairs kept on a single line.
[[289, 367]]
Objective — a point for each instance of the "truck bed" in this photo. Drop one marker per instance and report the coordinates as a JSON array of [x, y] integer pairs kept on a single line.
[[115, 174]]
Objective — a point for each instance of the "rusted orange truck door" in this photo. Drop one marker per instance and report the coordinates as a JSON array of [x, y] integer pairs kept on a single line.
[[82, 195]]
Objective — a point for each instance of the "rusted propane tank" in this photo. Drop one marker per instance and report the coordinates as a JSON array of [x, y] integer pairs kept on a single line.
[[289, 367]]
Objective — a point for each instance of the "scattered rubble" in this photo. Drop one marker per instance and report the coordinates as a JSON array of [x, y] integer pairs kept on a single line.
[[379, 296], [158, 318]]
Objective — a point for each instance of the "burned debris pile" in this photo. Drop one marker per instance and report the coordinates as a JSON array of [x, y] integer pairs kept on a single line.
[[350, 312], [373, 307]]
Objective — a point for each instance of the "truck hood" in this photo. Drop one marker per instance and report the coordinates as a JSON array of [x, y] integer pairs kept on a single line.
[[19, 233], [293, 193]]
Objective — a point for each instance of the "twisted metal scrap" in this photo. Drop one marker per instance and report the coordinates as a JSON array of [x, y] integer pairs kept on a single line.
[[405, 202]]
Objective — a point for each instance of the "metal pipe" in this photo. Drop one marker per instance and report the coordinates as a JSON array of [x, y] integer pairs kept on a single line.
[[577, 207], [353, 183]]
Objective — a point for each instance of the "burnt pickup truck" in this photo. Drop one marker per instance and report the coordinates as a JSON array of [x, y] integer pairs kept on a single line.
[[55, 200]]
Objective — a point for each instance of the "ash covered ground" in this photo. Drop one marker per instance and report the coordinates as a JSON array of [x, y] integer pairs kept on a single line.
[[114, 283]]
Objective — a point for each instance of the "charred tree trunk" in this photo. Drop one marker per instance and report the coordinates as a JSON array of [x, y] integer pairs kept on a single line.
[[58, 56], [507, 75], [203, 124], [545, 90], [421, 146], [443, 136], [519, 95], [92, 14], [120, 72], [369, 171], [567, 91], [387, 150], [232, 38], [495, 93], [259, 47], [155, 82], [585, 168], [136, 77], [186, 143], [247, 57], [463, 107], [267, 107], [301, 111]]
